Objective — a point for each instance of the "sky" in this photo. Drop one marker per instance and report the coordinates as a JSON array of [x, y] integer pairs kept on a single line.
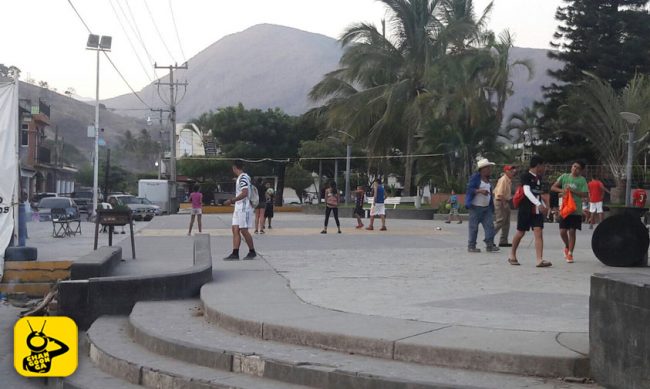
[[46, 39]]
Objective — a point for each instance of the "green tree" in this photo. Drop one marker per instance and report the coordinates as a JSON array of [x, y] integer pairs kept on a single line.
[[299, 179], [596, 105], [9, 71], [606, 38], [270, 136]]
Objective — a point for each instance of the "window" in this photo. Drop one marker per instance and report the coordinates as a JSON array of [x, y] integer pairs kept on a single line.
[[24, 135]]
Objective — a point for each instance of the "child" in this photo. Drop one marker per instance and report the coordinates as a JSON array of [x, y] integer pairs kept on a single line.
[[359, 213], [196, 198], [453, 208]]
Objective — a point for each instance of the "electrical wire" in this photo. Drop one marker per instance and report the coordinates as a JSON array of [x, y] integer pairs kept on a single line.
[[158, 31], [128, 38], [136, 32], [109, 58], [178, 38], [285, 160]]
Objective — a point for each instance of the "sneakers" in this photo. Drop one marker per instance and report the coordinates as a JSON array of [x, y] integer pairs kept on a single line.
[[492, 249], [324, 232], [505, 244], [339, 230], [370, 228], [360, 226], [251, 255], [232, 257], [473, 250], [383, 228], [447, 221], [568, 255]]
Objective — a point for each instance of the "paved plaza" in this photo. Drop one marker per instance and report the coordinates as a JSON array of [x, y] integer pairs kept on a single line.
[[417, 270]]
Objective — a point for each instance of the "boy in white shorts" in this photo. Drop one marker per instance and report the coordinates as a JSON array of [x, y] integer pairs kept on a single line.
[[243, 217], [596, 196]]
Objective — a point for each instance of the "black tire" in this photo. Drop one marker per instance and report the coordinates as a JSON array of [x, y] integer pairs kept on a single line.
[[148, 218], [21, 254]]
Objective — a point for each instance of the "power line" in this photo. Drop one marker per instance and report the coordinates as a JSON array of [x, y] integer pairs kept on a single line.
[[288, 159], [128, 38], [136, 32], [109, 58], [158, 31], [178, 38]]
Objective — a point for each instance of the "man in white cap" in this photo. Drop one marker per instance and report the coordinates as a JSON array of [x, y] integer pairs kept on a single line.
[[479, 200]]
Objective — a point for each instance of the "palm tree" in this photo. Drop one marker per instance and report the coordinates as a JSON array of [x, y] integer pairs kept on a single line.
[[595, 106], [373, 95]]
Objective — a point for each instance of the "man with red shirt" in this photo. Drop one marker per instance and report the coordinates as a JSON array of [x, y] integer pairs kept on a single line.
[[639, 197], [596, 195]]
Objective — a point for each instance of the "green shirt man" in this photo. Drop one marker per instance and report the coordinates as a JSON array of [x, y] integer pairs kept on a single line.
[[575, 184]]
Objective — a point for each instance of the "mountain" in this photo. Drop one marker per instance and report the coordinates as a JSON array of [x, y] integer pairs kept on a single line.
[[268, 66], [265, 66], [72, 117]]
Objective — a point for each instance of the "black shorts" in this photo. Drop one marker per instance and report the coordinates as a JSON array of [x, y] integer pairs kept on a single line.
[[268, 210], [359, 211], [571, 222], [527, 220]]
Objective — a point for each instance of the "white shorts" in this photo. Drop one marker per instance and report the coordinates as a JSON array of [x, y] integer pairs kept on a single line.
[[596, 207], [243, 219], [378, 210], [197, 211]]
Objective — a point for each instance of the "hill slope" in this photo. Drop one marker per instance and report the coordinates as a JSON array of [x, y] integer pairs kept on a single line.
[[269, 66]]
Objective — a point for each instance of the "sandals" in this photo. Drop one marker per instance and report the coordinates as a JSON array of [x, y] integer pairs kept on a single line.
[[513, 262], [544, 263]]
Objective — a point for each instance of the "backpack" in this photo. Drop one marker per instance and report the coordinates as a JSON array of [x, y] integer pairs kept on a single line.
[[254, 196], [519, 195]]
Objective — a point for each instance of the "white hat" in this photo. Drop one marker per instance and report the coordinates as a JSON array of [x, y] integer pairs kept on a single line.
[[484, 163]]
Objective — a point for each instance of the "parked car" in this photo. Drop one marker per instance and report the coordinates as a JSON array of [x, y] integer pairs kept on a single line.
[[146, 201], [46, 205], [40, 196], [141, 211], [84, 200]]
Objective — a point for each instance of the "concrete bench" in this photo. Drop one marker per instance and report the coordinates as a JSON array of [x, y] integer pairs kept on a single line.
[[98, 263]]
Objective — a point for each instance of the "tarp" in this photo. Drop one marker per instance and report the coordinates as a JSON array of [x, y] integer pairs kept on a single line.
[[8, 163]]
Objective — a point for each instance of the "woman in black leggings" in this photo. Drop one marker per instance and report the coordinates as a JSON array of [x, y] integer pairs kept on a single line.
[[332, 206]]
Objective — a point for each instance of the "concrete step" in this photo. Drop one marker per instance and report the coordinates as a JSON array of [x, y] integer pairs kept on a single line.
[[89, 376], [112, 350], [177, 329], [252, 299]]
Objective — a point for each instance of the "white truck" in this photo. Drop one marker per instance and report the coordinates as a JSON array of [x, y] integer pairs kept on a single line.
[[158, 192]]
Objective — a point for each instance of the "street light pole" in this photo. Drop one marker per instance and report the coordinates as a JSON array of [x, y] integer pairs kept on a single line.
[[347, 172], [96, 159], [632, 120], [97, 43]]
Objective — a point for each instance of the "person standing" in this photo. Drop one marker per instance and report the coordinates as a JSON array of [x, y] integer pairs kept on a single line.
[[479, 202], [530, 214], [196, 198], [269, 199], [502, 197], [332, 200], [639, 197], [453, 207], [242, 217], [575, 183], [596, 196], [378, 208], [259, 209], [358, 206]]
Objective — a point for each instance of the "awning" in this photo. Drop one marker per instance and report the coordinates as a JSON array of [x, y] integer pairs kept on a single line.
[[27, 172]]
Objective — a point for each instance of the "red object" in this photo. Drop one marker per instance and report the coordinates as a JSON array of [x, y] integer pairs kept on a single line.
[[596, 192], [519, 195], [639, 197], [568, 205], [507, 168]]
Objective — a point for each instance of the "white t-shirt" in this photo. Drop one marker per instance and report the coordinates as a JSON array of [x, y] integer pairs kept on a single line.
[[481, 200], [243, 182]]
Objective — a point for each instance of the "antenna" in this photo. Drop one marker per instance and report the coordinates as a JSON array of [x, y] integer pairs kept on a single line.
[[30, 326], [42, 328]]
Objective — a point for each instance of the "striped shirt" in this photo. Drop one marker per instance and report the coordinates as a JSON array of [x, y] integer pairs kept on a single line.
[[243, 182]]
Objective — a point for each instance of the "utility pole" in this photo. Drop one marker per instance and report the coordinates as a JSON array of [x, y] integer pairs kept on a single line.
[[172, 134], [161, 154]]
